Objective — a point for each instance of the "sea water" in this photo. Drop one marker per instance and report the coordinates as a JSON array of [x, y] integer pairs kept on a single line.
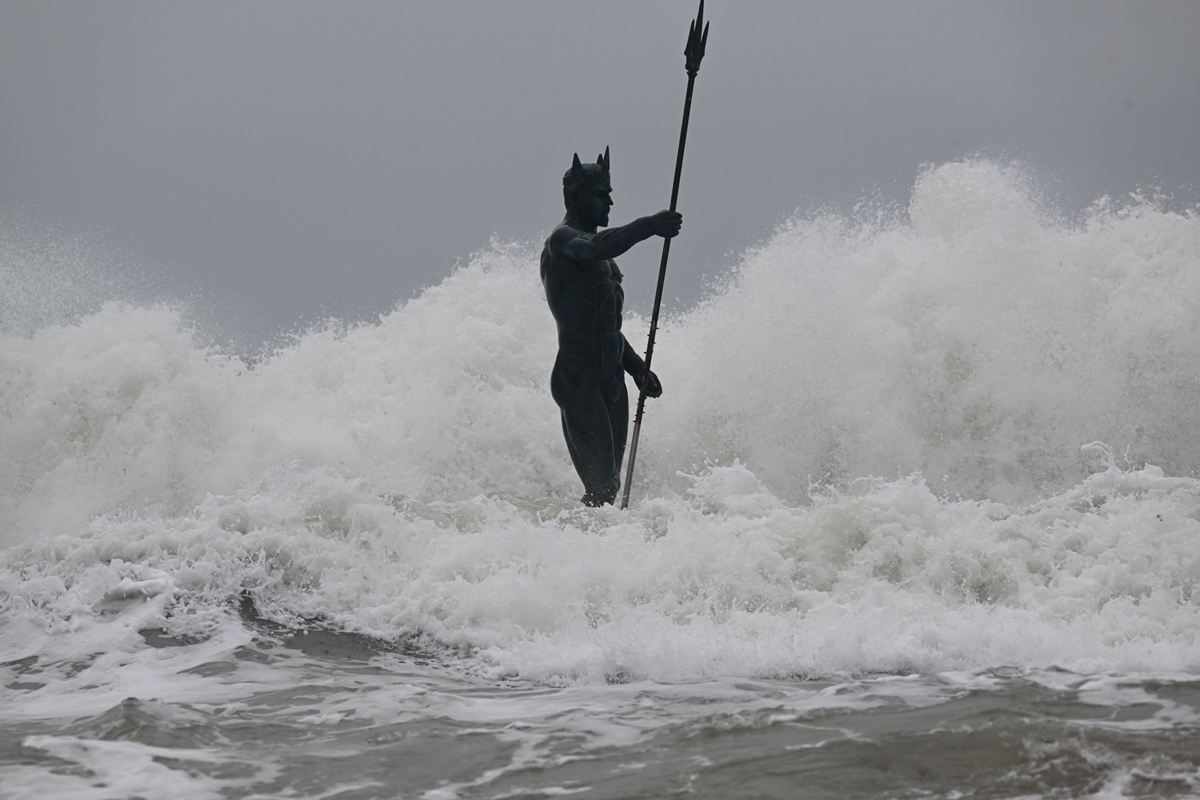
[[918, 515]]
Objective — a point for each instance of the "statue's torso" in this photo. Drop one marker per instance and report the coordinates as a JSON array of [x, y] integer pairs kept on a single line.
[[586, 299]]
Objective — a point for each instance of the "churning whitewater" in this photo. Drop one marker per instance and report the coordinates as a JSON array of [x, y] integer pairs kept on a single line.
[[964, 436]]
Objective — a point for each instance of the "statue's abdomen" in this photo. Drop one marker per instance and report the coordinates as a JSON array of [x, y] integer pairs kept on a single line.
[[587, 307]]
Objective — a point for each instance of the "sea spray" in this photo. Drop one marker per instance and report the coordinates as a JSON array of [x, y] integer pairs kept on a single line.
[[976, 339], [49, 277]]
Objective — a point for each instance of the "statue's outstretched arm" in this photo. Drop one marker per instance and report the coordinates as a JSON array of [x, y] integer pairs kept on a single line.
[[612, 242], [605, 244]]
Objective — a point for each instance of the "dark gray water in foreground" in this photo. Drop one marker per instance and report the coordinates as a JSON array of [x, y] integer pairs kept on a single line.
[[320, 714]]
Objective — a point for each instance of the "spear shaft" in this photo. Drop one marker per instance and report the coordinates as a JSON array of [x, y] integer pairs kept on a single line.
[[694, 52]]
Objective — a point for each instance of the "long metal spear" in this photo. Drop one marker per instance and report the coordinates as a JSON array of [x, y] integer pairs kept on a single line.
[[693, 53]]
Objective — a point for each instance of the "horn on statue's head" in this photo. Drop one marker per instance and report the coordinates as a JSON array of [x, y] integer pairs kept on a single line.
[[605, 163], [577, 173]]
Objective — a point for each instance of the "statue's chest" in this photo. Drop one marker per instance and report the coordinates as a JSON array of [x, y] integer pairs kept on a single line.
[[608, 284], [607, 273]]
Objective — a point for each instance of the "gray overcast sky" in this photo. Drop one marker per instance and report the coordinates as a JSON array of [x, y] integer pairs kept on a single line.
[[288, 160]]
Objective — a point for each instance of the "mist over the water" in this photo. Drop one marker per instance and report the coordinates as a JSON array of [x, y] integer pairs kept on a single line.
[[873, 443]]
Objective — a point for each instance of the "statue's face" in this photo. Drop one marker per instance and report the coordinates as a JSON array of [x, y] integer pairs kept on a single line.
[[594, 203]]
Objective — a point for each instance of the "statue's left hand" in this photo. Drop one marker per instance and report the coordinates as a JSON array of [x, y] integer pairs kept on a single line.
[[653, 387]]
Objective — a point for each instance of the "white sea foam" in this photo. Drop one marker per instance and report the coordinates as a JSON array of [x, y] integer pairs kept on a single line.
[[872, 456]]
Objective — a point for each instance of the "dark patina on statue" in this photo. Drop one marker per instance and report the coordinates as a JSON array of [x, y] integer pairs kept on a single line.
[[583, 288]]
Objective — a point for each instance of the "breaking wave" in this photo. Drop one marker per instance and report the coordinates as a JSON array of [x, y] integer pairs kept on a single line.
[[961, 436]]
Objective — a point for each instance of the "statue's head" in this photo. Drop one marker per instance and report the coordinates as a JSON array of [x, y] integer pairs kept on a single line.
[[587, 190]]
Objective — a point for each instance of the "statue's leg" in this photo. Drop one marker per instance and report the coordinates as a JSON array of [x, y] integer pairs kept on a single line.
[[590, 442], [587, 429]]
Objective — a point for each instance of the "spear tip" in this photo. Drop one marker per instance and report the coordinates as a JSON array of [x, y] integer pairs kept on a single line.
[[695, 44]]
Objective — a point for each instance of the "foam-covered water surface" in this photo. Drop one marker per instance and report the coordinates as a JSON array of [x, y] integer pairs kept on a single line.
[[914, 471]]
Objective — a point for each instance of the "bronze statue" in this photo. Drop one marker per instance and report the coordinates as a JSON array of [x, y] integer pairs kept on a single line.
[[583, 288]]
